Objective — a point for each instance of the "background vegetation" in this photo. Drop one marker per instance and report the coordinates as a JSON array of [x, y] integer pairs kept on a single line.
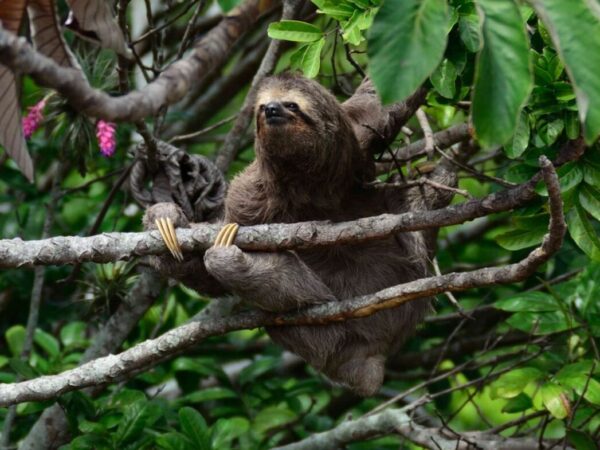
[[517, 360]]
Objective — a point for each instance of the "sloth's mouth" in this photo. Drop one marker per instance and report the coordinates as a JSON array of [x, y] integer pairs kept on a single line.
[[276, 120]]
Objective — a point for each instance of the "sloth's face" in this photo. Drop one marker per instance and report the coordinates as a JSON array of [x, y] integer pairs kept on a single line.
[[280, 110]]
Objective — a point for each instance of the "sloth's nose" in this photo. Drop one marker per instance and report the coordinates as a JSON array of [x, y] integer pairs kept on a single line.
[[273, 109]]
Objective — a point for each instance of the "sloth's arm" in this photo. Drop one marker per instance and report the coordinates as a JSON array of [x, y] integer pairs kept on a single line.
[[270, 281], [191, 272]]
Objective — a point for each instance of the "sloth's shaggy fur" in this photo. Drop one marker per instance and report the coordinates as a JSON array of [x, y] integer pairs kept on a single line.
[[310, 166]]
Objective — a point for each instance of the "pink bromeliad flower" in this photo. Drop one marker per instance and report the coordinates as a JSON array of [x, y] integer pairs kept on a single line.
[[105, 132], [34, 117]]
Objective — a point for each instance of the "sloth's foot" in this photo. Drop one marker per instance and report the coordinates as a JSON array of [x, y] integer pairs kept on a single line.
[[165, 217], [226, 261], [363, 376]]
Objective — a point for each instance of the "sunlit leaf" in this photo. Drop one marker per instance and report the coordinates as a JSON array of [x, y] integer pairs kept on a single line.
[[294, 30], [556, 400], [514, 382]]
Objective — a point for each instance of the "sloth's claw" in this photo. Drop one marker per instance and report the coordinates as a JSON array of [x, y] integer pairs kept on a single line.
[[167, 232], [226, 235]]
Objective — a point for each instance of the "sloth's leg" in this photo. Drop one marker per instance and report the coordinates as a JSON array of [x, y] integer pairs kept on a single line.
[[271, 281], [164, 217]]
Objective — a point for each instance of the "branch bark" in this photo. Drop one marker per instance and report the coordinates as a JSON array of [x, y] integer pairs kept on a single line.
[[108, 247], [146, 354], [170, 87]]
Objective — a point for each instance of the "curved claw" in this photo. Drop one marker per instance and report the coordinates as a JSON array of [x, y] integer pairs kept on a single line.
[[167, 232], [226, 235]]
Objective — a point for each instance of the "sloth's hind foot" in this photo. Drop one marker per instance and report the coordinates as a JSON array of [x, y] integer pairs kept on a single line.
[[363, 376]]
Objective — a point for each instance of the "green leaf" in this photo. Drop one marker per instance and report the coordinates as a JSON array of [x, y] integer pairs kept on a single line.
[[581, 440], [589, 197], [136, 417], [194, 427], [520, 403], [520, 140], [48, 342], [550, 131], [209, 394], [228, 5], [539, 323], [406, 44], [174, 441], [582, 232], [294, 30], [577, 376], [3, 361], [335, 9], [469, 28], [73, 334], [514, 382], [225, 431], [519, 239], [503, 78], [308, 58], [575, 30], [528, 301], [271, 417], [555, 400], [257, 368], [444, 79], [15, 338]]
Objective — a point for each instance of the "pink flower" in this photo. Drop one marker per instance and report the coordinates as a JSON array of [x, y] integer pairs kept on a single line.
[[34, 117], [105, 132]]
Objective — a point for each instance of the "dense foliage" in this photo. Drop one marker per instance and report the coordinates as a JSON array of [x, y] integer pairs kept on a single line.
[[526, 363]]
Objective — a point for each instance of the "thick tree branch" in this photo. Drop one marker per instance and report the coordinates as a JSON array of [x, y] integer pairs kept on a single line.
[[397, 421], [116, 367], [171, 86], [108, 247]]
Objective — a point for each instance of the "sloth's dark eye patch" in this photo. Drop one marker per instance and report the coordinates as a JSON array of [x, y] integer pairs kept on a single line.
[[261, 107], [292, 106]]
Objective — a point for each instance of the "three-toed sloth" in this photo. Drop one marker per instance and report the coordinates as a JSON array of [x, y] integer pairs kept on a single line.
[[311, 164]]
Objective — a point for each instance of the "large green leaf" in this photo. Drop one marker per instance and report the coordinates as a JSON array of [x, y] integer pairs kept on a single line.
[[503, 77], [194, 427], [406, 44], [575, 30]]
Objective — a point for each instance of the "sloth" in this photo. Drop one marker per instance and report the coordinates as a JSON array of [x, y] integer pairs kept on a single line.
[[311, 164]]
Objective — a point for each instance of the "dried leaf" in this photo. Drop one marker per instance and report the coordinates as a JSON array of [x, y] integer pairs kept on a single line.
[[11, 135], [46, 33], [11, 14], [93, 20]]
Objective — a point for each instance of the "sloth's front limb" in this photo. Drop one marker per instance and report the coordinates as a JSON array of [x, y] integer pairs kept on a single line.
[[190, 271], [275, 282]]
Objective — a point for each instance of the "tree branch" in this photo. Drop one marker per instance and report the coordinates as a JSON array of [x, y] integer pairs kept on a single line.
[[148, 353], [171, 86], [108, 247], [397, 421]]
